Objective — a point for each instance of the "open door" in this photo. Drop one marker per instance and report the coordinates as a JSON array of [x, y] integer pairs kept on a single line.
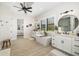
[[20, 28]]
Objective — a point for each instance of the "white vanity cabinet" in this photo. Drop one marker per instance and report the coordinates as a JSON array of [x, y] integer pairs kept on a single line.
[[75, 46], [62, 42]]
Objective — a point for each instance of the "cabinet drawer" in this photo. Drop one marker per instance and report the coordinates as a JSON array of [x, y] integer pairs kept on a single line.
[[76, 49], [75, 53], [77, 39], [75, 43]]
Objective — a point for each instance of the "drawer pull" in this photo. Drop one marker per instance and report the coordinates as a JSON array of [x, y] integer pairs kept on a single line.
[[76, 53], [76, 40], [76, 45], [62, 41]]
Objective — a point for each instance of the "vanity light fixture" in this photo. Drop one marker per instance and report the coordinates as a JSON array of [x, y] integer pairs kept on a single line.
[[66, 12]]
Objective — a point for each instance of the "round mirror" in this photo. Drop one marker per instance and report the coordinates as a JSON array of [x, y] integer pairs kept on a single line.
[[68, 23]]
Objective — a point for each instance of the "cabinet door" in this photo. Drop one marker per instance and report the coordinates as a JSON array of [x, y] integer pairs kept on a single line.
[[67, 44], [58, 42], [62, 42]]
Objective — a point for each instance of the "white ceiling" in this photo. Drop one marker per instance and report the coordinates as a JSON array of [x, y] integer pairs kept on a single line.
[[37, 7], [42, 7]]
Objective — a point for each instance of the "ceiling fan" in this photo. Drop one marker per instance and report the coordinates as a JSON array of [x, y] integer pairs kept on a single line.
[[25, 7]]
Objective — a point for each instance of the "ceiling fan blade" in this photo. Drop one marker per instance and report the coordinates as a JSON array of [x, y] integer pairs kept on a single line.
[[29, 8], [25, 11], [17, 7], [21, 4]]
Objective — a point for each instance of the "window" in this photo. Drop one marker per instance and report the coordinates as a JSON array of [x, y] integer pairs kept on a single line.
[[43, 24], [47, 24], [50, 24]]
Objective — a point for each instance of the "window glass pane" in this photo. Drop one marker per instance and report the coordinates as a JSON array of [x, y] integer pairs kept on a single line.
[[43, 24], [50, 24]]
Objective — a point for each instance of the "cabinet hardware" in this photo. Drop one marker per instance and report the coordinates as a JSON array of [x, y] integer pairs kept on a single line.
[[76, 40], [62, 41], [53, 39], [76, 53], [76, 45]]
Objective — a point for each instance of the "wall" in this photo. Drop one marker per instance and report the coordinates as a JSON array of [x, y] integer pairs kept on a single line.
[[8, 30], [28, 30]]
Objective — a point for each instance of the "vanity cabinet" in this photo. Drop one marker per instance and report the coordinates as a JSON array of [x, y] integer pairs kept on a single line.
[[65, 38], [62, 42], [75, 46]]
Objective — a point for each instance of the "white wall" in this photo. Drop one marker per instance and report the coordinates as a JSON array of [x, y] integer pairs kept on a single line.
[[28, 30], [8, 30]]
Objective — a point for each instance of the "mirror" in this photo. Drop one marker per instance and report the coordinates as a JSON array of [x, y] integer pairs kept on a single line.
[[68, 23]]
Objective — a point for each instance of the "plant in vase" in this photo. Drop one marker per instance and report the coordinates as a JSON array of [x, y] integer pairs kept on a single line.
[[45, 33]]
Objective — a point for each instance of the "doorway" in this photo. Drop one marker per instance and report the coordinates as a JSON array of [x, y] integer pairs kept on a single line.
[[20, 28]]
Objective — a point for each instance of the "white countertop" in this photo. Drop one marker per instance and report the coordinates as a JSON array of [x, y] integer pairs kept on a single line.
[[67, 35]]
